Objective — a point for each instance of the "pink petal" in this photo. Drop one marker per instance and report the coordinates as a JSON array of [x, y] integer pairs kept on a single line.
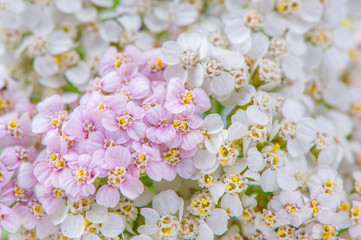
[[107, 196], [201, 100], [191, 139], [51, 105], [186, 168], [137, 130], [165, 134], [25, 176], [111, 82], [109, 121], [40, 123], [118, 156], [131, 188]]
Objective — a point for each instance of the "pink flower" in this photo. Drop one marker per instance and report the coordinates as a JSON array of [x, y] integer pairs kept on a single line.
[[154, 66], [51, 115], [112, 60], [5, 175], [7, 195], [50, 163], [178, 161], [81, 123], [13, 99], [79, 179], [161, 122], [33, 216], [15, 130], [25, 177], [158, 96], [49, 196], [188, 135], [147, 159], [98, 104], [9, 220], [98, 142], [129, 120], [12, 156], [119, 176], [186, 101]]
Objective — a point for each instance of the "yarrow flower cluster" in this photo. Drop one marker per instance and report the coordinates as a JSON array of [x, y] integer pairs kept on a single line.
[[189, 120]]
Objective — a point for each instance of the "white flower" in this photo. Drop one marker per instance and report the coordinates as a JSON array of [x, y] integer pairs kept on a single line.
[[299, 131], [161, 221], [328, 50], [240, 22], [299, 14], [326, 182], [355, 228], [320, 208], [184, 56], [287, 206]]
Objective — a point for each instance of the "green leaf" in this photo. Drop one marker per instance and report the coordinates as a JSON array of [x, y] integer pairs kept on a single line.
[[262, 197]]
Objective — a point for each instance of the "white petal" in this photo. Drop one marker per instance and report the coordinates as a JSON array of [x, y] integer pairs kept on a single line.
[[166, 202], [110, 31], [214, 142], [269, 181], [154, 24], [255, 160], [144, 198], [68, 6], [59, 42], [185, 14], [45, 25], [151, 218], [237, 33], [217, 190], [97, 214], [233, 204], [286, 180], [60, 214], [292, 66], [171, 52], [296, 147], [45, 66], [236, 131], [204, 232], [16, 6], [72, 226], [195, 76], [259, 46], [256, 115], [130, 21], [203, 159], [142, 237], [223, 84], [86, 14], [296, 43], [52, 82], [274, 25], [189, 41], [218, 221], [213, 123], [103, 3], [311, 11], [78, 75], [113, 226], [293, 110]]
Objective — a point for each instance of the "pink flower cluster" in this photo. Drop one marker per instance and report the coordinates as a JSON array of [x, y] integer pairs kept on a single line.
[[17, 199], [129, 123]]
